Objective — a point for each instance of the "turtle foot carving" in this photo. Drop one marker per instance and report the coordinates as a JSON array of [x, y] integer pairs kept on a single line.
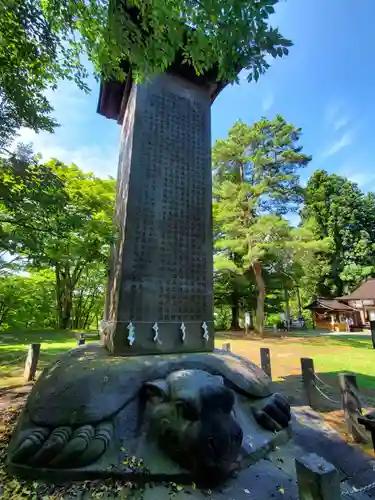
[[275, 414], [63, 447], [186, 415]]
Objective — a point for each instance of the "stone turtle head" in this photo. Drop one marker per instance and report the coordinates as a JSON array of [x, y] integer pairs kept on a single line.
[[192, 419]]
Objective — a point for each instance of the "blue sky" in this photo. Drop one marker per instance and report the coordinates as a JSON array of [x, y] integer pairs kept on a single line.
[[326, 86]]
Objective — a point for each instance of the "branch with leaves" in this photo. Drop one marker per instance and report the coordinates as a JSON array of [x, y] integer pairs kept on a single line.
[[47, 41]]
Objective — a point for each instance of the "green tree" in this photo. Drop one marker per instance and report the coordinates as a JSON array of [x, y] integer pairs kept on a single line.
[[42, 43], [233, 291], [88, 297], [31, 196], [340, 210], [296, 253], [57, 217], [27, 301], [256, 181]]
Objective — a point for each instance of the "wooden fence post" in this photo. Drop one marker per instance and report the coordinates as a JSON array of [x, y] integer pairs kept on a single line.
[[227, 347], [265, 361], [31, 362], [317, 479], [309, 381], [351, 405], [369, 423]]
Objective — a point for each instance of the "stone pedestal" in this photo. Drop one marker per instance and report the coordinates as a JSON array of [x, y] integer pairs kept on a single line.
[[317, 479], [159, 297]]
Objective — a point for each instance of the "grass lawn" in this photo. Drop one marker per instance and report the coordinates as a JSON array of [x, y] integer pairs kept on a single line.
[[14, 347], [331, 355]]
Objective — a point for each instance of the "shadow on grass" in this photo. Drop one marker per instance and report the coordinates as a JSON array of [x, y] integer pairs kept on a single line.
[[13, 357], [329, 398]]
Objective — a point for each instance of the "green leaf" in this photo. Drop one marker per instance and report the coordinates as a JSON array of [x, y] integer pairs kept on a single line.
[[67, 30]]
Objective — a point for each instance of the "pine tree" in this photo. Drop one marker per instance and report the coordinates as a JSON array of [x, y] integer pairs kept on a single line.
[[256, 182]]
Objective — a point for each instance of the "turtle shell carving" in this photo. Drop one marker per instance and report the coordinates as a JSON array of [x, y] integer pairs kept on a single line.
[[194, 409], [86, 385]]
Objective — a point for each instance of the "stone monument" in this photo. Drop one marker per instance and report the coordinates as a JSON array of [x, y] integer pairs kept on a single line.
[[159, 297], [155, 400]]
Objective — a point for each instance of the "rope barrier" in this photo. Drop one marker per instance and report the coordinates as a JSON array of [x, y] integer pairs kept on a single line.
[[327, 397], [324, 384], [366, 402], [354, 490], [13, 361]]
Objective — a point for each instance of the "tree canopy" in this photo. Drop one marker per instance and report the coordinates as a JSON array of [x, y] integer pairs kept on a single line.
[[256, 181], [56, 229], [46, 41], [58, 218], [341, 211]]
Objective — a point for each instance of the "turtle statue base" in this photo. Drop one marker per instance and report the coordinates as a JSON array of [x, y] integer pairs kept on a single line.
[[178, 417]]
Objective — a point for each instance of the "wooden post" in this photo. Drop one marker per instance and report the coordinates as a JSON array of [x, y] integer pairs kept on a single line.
[[368, 421], [31, 362], [317, 479], [351, 405], [265, 361], [309, 381], [227, 346]]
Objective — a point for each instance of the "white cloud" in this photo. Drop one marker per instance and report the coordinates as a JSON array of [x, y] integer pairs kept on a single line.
[[267, 102], [360, 178], [339, 123], [335, 117], [338, 145], [100, 160], [359, 173], [332, 112]]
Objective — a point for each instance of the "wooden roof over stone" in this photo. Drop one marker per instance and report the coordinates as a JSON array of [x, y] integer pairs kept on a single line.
[[114, 95], [366, 291], [329, 304]]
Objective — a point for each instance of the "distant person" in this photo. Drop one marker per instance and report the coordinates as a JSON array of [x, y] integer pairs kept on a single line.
[[351, 324], [347, 323]]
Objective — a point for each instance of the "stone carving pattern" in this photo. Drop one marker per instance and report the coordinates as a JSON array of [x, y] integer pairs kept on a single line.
[[176, 152]]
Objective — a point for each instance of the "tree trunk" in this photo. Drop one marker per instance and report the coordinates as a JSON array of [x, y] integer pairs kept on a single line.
[[287, 308], [77, 311], [65, 308], [64, 297], [299, 304], [235, 323], [259, 319]]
